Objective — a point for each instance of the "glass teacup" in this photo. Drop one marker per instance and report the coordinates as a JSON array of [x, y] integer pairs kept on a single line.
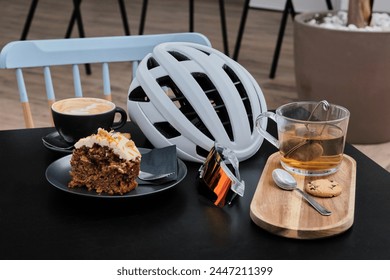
[[311, 136]]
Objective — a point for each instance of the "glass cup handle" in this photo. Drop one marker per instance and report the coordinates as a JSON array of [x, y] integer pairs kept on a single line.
[[263, 132]]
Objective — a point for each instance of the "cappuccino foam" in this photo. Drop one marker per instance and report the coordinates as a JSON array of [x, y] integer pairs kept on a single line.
[[83, 106]]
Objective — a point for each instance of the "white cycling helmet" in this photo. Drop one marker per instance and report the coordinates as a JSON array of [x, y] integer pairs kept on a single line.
[[192, 96]]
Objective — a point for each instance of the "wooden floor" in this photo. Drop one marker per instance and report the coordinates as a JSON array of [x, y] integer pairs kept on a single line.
[[102, 18]]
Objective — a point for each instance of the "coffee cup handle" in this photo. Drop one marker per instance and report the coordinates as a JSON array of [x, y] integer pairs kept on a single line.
[[263, 132], [123, 119]]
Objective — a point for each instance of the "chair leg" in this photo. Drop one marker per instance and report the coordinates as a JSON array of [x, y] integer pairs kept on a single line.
[[27, 115], [125, 22], [143, 17], [241, 29], [223, 26], [289, 8], [29, 19]]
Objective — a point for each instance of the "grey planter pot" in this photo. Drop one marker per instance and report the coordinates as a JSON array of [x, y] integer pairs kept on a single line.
[[349, 68]]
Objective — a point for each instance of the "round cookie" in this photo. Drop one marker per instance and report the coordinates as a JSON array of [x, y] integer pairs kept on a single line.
[[323, 188]]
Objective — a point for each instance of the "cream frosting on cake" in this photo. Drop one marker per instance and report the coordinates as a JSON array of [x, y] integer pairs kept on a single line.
[[116, 141]]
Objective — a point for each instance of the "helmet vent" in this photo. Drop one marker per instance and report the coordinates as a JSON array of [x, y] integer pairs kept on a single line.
[[178, 56], [152, 63], [166, 129], [138, 95], [181, 102], [243, 94], [215, 100], [204, 51], [202, 152]]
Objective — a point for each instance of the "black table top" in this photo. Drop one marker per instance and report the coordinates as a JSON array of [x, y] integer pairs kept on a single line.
[[38, 221]]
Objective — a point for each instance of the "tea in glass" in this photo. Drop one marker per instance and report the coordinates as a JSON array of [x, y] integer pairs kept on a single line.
[[305, 148]]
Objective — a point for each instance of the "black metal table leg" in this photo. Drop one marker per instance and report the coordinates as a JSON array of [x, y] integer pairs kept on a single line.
[[29, 19], [329, 4], [125, 21], [72, 20], [143, 17], [223, 26], [191, 16], [76, 15], [288, 9], [241, 29]]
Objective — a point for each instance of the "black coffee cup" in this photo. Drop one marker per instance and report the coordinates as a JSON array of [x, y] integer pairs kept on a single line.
[[78, 117]]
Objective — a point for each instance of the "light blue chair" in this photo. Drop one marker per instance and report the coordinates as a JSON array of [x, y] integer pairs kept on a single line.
[[104, 50]]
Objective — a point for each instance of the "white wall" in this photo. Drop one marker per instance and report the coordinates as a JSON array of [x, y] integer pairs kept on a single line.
[[314, 5]]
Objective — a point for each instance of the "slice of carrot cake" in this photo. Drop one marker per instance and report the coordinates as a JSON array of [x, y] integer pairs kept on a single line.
[[106, 162]]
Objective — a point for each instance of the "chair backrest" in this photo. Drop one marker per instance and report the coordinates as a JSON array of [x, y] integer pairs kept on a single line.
[[103, 50]]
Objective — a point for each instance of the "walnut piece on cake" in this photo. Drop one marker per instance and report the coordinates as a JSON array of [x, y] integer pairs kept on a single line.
[[106, 162]]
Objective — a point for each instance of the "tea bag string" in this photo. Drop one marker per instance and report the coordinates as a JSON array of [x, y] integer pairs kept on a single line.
[[325, 106]]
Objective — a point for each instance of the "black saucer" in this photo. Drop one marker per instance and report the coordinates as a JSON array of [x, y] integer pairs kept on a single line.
[[55, 142]]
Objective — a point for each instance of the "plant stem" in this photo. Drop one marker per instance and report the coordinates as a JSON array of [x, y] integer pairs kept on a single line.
[[359, 12]]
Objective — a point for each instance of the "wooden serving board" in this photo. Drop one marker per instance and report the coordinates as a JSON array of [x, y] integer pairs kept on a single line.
[[287, 214]]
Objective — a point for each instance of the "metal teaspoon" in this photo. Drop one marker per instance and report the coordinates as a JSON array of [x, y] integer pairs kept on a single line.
[[286, 181]]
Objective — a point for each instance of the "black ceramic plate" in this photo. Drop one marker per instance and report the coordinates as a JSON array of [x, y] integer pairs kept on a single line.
[[57, 173]]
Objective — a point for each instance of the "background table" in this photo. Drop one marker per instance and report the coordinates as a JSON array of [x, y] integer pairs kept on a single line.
[[38, 221]]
